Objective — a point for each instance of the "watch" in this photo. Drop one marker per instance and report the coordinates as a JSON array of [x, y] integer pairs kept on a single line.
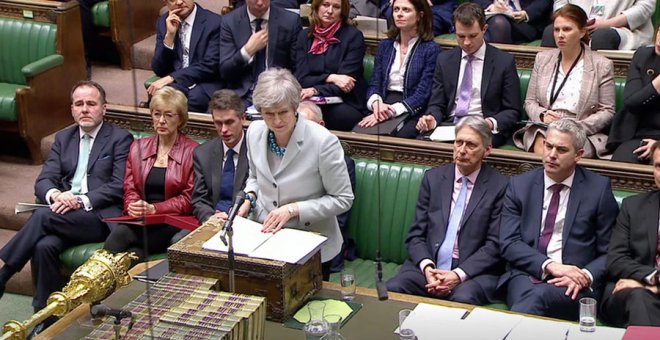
[[80, 201]]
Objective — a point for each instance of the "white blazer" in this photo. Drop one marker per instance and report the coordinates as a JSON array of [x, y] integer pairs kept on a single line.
[[312, 174]]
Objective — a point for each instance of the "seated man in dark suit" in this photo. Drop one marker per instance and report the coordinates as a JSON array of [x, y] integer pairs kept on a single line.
[[293, 4], [555, 229], [453, 241], [311, 111], [632, 295], [82, 181], [186, 54], [474, 78], [221, 164], [246, 49]]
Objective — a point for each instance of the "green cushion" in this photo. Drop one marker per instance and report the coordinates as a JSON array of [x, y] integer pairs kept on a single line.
[[619, 85], [150, 81], [524, 76], [368, 64], [365, 272], [74, 257], [21, 43], [619, 195], [101, 14], [8, 101], [534, 43], [385, 198], [448, 36]]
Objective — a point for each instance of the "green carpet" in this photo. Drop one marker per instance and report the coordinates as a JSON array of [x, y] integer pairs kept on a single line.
[[15, 307]]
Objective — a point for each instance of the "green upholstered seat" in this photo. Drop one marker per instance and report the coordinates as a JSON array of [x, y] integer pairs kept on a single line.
[[619, 85], [368, 64], [101, 14], [24, 49], [74, 257]]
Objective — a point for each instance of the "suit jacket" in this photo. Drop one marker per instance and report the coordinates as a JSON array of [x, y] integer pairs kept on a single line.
[[634, 238], [207, 161], [105, 168], [345, 57], [479, 228], [281, 3], [500, 88], [596, 105], [179, 175], [640, 116], [417, 79], [203, 51], [312, 174], [590, 216], [283, 28]]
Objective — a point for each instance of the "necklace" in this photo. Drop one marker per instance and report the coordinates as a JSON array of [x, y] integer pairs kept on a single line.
[[276, 149], [161, 157]]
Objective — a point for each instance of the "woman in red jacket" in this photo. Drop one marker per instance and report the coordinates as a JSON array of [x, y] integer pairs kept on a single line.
[[159, 177]]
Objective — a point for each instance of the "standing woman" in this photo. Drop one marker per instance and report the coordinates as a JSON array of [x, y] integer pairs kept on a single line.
[[297, 176], [569, 82], [637, 126], [159, 177], [329, 63], [404, 66]]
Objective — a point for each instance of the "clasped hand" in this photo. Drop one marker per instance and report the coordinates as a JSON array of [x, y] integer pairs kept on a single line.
[[141, 208], [440, 282], [257, 42], [344, 82], [382, 112], [571, 277], [64, 202]]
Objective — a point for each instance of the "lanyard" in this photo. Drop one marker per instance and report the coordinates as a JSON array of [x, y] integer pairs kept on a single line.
[[553, 94]]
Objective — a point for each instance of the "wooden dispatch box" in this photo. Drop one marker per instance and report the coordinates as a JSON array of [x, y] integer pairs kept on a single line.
[[285, 286]]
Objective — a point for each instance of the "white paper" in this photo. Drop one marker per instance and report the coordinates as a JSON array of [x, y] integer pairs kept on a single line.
[[601, 333], [444, 134], [426, 320], [289, 245], [529, 327], [483, 323], [247, 237], [25, 207], [371, 26]]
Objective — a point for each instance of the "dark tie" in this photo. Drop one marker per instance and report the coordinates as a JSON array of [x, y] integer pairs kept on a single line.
[[260, 57], [465, 91], [512, 5], [550, 218], [227, 184]]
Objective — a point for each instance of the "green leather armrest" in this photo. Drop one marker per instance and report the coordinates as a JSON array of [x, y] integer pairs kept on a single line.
[[41, 65], [101, 14], [150, 81]]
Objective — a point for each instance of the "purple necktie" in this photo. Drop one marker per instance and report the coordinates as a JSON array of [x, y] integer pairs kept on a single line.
[[465, 91], [550, 217]]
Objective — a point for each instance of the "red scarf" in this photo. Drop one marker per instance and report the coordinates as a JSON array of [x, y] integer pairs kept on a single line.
[[324, 37]]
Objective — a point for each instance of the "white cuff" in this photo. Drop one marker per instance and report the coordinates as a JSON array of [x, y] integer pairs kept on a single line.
[[424, 263], [399, 108], [461, 274], [591, 277], [543, 267], [374, 97], [494, 121], [50, 193], [168, 47], [649, 278], [246, 56], [87, 205]]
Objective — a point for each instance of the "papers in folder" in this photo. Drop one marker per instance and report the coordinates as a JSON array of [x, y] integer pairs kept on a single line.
[[287, 245], [318, 100], [27, 207], [444, 134]]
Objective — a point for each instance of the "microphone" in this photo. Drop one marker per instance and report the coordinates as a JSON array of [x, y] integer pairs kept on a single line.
[[238, 201], [101, 310], [381, 289]]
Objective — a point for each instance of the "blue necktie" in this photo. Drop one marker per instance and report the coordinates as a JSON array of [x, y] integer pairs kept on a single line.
[[447, 248], [227, 184], [81, 168]]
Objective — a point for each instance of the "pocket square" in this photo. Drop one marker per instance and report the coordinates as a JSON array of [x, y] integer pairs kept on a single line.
[[104, 157]]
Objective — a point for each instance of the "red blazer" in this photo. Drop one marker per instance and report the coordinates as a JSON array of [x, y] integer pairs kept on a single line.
[[179, 176]]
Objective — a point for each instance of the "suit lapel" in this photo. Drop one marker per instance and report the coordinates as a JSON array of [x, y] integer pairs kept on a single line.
[[478, 191], [587, 85], [446, 190], [537, 191], [487, 70], [99, 144], [197, 30], [650, 223], [272, 36], [259, 152], [452, 76], [241, 169], [293, 148], [573, 205], [216, 169], [244, 28]]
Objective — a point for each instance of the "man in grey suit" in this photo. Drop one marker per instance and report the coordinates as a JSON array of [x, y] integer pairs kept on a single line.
[[216, 180]]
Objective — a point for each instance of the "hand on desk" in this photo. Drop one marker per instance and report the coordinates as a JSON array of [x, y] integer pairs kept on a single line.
[[440, 282], [221, 215], [277, 218]]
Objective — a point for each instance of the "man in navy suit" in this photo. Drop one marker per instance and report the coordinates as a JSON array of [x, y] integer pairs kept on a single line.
[[555, 229], [79, 196], [186, 54], [632, 294], [252, 39], [474, 78], [453, 242]]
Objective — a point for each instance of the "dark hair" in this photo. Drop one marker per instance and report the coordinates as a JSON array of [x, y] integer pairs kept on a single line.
[[314, 19], [424, 25], [467, 13], [654, 147], [227, 100], [575, 14], [89, 83]]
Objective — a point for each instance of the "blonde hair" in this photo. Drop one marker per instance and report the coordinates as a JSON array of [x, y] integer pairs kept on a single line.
[[171, 99]]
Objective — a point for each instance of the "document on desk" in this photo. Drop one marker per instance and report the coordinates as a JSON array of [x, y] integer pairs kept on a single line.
[[427, 319], [443, 134], [552, 330], [484, 324], [287, 245], [601, 333]]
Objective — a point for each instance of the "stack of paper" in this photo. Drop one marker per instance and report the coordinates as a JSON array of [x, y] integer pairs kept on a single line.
[[428, 321]]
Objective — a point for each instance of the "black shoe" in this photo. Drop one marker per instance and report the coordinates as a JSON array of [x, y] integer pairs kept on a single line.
[[42, 326]]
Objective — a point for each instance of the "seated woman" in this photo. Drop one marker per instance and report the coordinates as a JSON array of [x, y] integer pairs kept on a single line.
[[569, 82], [403, 71], [613, 24], [637, 126], [329, 63], [442, 11], [297, 176], [515, 21], [159, 177]]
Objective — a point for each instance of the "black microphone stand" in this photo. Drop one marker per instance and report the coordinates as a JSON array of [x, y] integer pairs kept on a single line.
[[229, 231]]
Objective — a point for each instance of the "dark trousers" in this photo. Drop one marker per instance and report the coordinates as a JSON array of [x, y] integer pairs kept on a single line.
[[624, 152], [544, 299], [630, 307], [342, 117], [504, 30], [43, 237], [198, 99], [478, 290], [409, 129], [143, 241]]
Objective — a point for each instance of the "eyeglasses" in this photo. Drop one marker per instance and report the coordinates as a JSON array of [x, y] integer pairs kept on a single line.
[[168, 116]]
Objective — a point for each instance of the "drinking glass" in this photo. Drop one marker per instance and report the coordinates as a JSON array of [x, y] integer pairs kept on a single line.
[[348, 284], [404, 331], [334, 323], [587, 314], [316, 327]]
